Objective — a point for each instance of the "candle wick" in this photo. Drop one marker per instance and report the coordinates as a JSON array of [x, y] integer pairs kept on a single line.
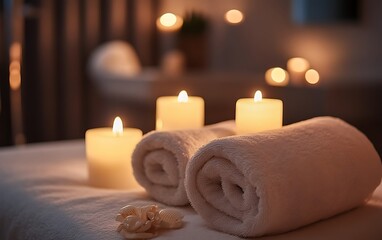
[[118, 133]]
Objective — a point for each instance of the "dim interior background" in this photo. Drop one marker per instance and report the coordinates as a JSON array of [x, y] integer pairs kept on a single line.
[[49, 93]]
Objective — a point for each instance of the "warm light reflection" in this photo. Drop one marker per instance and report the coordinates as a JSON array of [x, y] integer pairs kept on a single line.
[[277, 77], [234, 16], [118, 126], [312, 76], [15, 51], [15, 58], [15, 79], [258, 97], [169, 22], [14, 75], [168, 19], [183, 97], [15, 65], [297, 64]]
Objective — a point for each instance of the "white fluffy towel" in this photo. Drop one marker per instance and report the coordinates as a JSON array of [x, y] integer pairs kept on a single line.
[[279, 180], [160, 158]]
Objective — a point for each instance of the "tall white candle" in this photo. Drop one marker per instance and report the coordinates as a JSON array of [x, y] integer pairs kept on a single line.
[[258, 114], [108, 152], [179, 112]]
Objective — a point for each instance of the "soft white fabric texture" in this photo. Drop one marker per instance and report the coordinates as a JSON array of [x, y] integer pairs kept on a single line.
[[45, 195], [279, 180], [160, 158]]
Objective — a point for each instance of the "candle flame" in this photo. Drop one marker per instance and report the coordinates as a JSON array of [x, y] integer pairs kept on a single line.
[[258, 96], [118, 126], [183, 97]]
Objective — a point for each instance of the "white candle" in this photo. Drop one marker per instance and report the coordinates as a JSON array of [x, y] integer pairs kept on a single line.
[[108, 152], [179, 112], [258, 114]]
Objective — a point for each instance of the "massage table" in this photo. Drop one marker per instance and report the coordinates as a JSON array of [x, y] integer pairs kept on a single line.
[[44, 194]]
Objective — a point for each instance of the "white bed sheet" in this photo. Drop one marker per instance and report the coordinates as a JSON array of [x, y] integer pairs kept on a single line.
[[44, 195]]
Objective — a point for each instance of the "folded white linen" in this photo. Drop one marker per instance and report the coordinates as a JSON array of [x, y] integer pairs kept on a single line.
[[279, 180], [160, 158]]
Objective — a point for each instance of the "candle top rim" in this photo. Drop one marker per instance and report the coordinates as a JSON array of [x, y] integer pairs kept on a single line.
[[177, 96], [107, 132], [175, 99], [259, 102]]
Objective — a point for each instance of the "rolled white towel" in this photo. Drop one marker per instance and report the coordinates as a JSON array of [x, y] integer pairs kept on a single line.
[[279, 180], [160, 158]]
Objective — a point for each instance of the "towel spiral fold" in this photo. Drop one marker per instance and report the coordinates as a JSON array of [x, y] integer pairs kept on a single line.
[[280, 180]]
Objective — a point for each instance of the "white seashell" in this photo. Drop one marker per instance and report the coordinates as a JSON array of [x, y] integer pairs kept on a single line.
[[132, 223], [171, 218], [154, 218], [128, 210], [144, 212], [119, 218], [120, 227], [144, 227], [142, 222], [136, 224]]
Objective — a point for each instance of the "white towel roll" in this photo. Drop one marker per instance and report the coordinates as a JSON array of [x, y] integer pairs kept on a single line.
[[160, 158], [279, 180]]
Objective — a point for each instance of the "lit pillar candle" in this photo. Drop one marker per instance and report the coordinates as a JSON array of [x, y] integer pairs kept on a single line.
[[108, 152], [258, 114], [179, 112]]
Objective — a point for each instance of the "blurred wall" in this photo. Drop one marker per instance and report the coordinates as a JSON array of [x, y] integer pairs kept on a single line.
[[341, 52]]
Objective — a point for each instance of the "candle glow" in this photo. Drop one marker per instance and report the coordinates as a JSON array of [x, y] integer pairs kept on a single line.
[[118, 126], [258, 114], [276, 77], [312, 76], [297, 64], [258, 96], [234, 16], [179, 112], [169, 22], [183, 96], [297, 67], [108, 152]]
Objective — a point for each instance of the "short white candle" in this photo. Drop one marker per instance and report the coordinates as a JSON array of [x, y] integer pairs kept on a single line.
[[258, 114], [108, 152], [179, 112]]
